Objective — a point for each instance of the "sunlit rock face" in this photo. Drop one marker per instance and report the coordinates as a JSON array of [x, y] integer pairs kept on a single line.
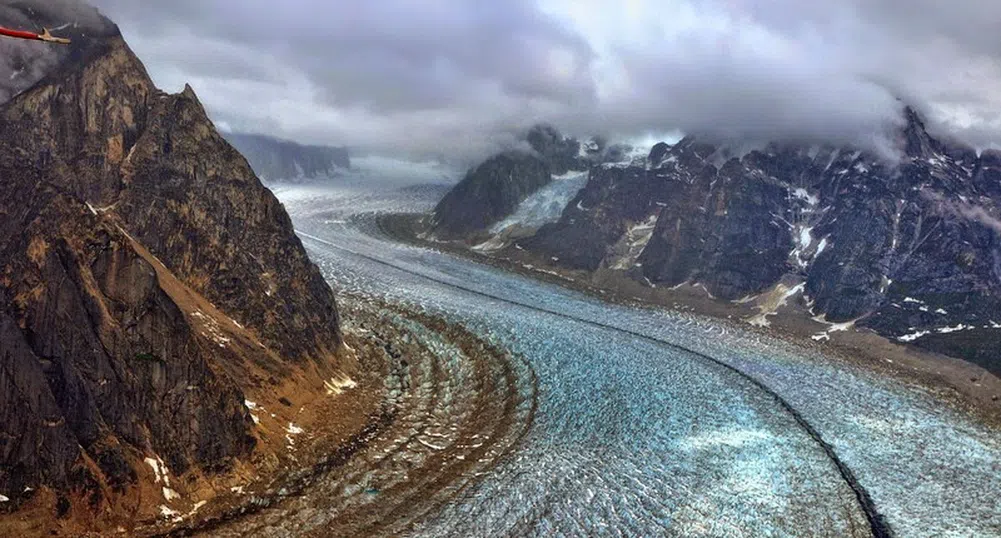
[[143, 270], [275, 160], [907, 248]]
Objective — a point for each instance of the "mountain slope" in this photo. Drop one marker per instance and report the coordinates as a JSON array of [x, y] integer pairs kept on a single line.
[[493, 190], [281, 160], [489, 192], [147, 280], [909, 249]]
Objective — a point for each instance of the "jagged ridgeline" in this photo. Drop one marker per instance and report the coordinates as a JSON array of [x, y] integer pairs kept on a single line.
[[146, 276], [911, 249]]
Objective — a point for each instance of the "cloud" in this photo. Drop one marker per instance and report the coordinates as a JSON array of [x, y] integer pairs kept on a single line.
[[23, 63], [964, 210], [457, 79]]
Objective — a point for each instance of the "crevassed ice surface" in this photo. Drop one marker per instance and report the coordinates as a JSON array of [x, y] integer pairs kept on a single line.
[[546, 204], [636, 438]]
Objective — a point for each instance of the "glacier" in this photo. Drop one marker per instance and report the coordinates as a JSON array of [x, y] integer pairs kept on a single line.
[[653, 422]]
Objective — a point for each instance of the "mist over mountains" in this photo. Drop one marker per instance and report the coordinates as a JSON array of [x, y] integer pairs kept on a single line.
[[463, 79]]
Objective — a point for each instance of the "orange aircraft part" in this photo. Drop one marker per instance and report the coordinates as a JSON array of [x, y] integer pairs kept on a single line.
[[44, 36]]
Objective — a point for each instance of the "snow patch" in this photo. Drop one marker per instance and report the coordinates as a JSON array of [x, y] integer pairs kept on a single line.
[[4, 498], [293, 429], [337, 385], [195, 508], [167, 513], [170, 494], [212, 330], [159, 470], [802, 194], [913, 336], [821, 246], [956, 329], [831, 328], [805, 237], [704, 288]]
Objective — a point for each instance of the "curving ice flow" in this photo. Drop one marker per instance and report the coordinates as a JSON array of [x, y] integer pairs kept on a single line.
[[545, 205], [654, 423]]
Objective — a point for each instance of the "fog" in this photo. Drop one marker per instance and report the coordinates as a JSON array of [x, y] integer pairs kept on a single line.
[[456, 80]]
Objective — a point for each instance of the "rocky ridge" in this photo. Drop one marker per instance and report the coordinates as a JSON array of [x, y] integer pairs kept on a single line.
[[909, 249], [494, 189], [148, 282]]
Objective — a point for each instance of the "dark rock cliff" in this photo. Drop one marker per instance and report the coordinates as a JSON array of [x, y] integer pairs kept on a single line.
[[911, 249], [488, 193], [281, 160], [144, 272], [492, 190]]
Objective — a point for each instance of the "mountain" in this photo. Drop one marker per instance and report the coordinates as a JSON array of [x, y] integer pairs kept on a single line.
[[280, 160], [494, 189], [489, 192], [911, 250], [147, 281]]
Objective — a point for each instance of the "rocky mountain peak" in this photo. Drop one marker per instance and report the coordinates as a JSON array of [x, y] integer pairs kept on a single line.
[[910, 248], [147, 279], [917, 142]]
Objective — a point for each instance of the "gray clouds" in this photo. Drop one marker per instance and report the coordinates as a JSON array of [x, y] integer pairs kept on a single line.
[[23, 63], [459, 78], [963, 210]]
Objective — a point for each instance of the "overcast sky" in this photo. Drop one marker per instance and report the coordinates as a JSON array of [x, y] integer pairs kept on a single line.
[[456, 78]]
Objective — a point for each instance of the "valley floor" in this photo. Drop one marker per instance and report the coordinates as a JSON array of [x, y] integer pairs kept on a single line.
[[523, 408], [972, 386], [653, 421]]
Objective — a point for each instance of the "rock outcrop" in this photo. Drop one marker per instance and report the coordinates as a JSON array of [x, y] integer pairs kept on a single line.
[[146, 276], [495, 188], [911, 249], [488, 193], [277, 160]]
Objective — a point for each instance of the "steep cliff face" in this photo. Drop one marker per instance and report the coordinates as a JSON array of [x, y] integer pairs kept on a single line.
[[911, 249], [494, 189], [146, 279], [488, 193], [281, 160]]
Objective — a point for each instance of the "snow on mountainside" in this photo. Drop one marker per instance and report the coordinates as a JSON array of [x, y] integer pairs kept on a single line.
[[842, 231]]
